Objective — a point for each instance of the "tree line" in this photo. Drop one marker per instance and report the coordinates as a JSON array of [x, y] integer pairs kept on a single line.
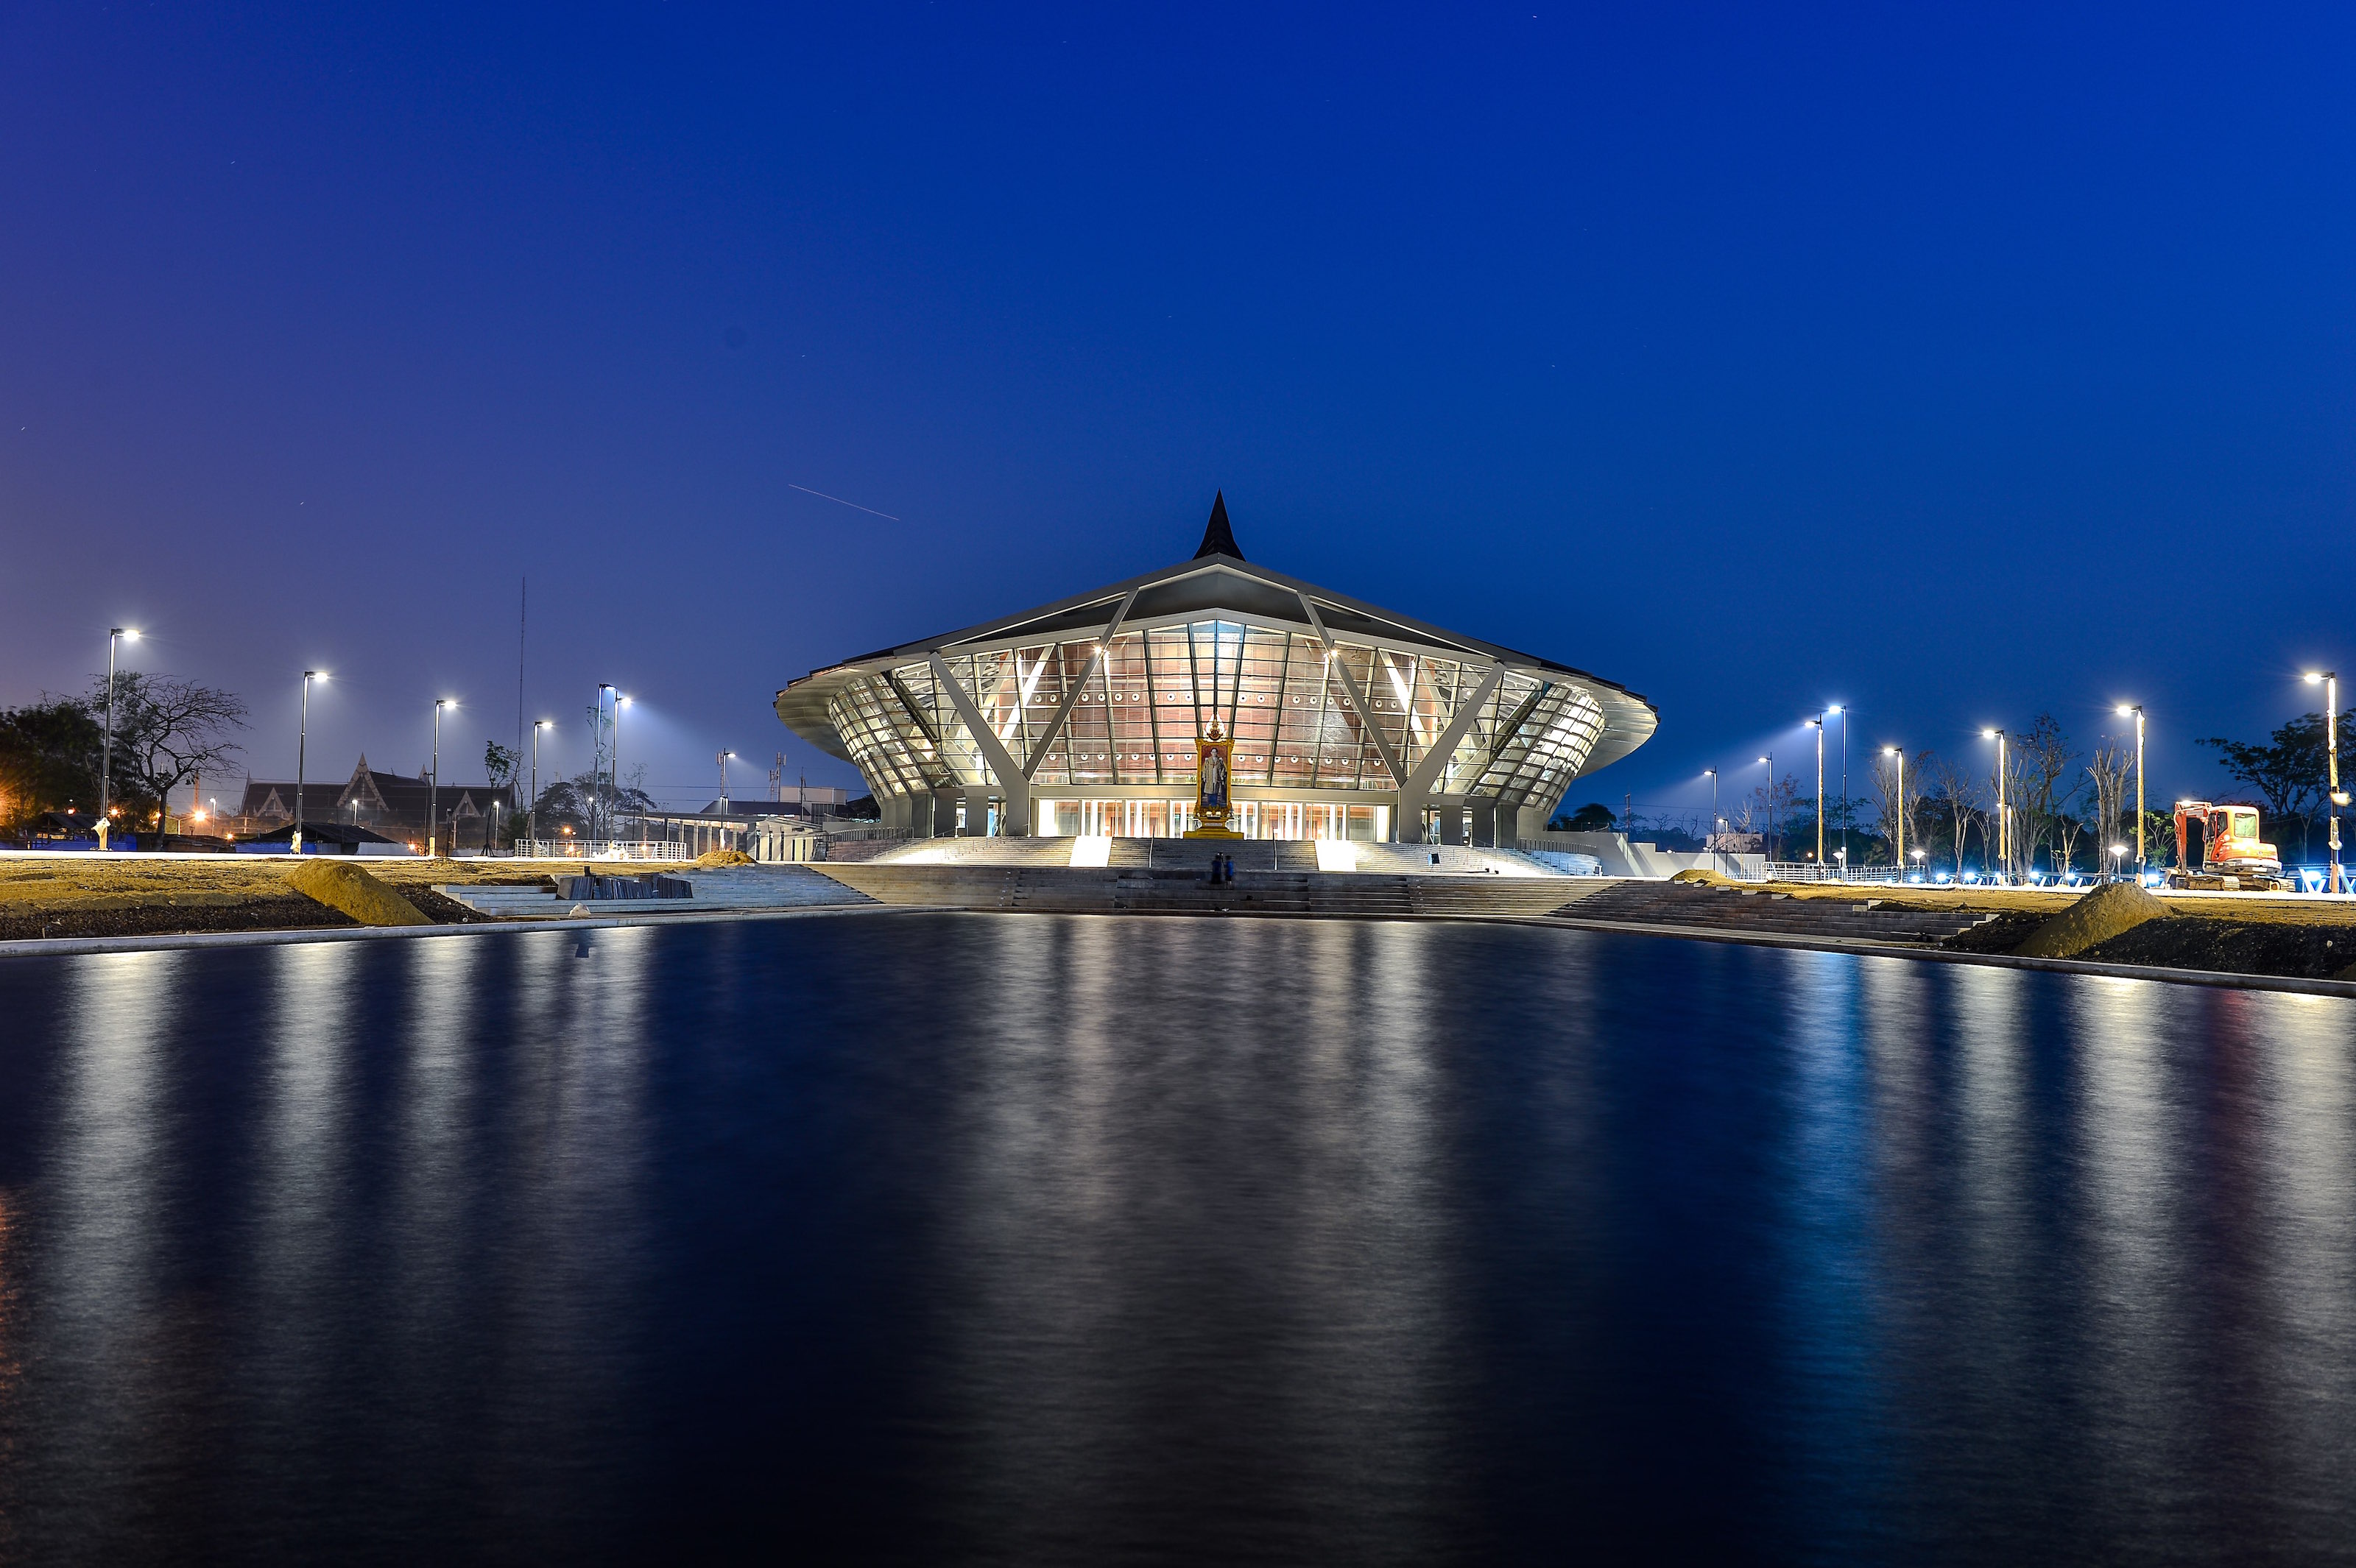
[[2064, 807], [167, 731]]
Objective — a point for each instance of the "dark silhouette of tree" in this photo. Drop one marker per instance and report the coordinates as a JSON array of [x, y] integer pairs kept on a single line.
[[2289, 772], [48, 759], [167, 731]]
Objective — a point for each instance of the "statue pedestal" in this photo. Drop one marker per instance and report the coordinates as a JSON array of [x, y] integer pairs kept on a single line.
[[1212, 832]]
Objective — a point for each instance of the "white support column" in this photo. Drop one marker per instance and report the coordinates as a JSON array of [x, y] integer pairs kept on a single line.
[[1414, 790], [1373, 728], [1012, 782]]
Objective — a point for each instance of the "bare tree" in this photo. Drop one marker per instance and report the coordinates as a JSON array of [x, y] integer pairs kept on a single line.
[[166, 731], [2043, 758], [2009, 843], [2108, 770], [1961, 795]]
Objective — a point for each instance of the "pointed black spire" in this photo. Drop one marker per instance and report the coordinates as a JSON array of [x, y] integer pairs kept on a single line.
[[1217, 538]]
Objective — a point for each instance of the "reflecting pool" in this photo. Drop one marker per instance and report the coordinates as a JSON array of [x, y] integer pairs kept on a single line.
[[1035, 1239]]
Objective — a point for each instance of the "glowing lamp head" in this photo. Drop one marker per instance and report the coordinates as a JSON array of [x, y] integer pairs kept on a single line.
[[1987, 734], [130, 634], [2312, 678]]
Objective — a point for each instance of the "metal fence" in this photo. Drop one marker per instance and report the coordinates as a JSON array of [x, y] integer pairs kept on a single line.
[[1810, 872], [602, 849]]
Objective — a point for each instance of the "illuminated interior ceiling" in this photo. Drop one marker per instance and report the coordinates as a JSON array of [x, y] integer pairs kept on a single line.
[[1321, 693]]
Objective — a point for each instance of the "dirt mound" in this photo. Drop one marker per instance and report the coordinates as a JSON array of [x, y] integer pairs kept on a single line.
[[1704, 878], [345, 889], [711, 858], [2112, 910]]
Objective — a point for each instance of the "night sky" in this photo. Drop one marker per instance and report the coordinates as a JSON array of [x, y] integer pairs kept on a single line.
[[1954, 363]]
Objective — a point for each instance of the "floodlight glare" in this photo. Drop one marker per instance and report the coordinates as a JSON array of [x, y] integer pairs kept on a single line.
[[2312, 678]]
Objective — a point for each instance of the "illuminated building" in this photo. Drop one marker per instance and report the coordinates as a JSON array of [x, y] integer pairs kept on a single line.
[[1081, 717]]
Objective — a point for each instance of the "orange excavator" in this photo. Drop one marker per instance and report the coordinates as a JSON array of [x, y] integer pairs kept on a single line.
[[2217, 847]]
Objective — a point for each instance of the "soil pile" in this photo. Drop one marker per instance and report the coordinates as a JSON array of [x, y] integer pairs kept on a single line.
[[2317, 952], [345, 889], [711, 858], [2112, 910]]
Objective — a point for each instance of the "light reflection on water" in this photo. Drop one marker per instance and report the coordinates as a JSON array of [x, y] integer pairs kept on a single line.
[[1044, 1238]]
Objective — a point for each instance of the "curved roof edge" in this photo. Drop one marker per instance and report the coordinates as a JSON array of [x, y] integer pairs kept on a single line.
[[1214, 580]]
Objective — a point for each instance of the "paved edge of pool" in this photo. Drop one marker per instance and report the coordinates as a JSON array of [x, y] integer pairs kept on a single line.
[[2211, 978], [72, 946]]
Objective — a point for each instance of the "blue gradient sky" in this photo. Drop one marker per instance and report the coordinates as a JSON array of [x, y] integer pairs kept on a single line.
[[1920, 360]]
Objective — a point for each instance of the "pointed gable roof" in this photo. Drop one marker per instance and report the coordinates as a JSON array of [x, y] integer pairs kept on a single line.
[[1218, 538]]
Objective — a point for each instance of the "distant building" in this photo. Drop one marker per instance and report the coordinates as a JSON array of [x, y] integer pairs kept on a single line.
[[389, 803]]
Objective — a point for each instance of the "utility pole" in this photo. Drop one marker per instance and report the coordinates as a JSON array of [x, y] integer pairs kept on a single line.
[[724, 781]]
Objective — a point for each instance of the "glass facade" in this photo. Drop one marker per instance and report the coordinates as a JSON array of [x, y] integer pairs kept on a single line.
[[1122, 759]]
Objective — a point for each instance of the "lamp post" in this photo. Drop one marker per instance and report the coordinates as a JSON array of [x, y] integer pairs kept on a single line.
[[597, 801], [106, 764], [1819, 723], [2003, 818], [1844, 779], [724, 781], [1899, 753], [620, 702], [2329, 680], [2137, 709], [1769, 763], [1711, 774], [434, 788], [302, 746], [531, 827]]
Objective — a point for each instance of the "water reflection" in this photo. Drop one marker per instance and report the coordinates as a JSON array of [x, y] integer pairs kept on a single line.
[[1072, 1239], [1210, 1220]]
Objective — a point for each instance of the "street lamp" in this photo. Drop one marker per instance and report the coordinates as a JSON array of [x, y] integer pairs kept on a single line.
[[1819, 723], [1899, 753], [2003, 820], [723, 781], [1711, 774], [302, 745], [434, 790], [2137, 709], [106, 763], [531, 828], [1836, 708], [620, 702], [2329, 681], [1767, 761]]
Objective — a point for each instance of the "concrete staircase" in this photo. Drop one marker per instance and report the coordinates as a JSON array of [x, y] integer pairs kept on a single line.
[[733, 887], [1187, 888], [1685, 906]]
